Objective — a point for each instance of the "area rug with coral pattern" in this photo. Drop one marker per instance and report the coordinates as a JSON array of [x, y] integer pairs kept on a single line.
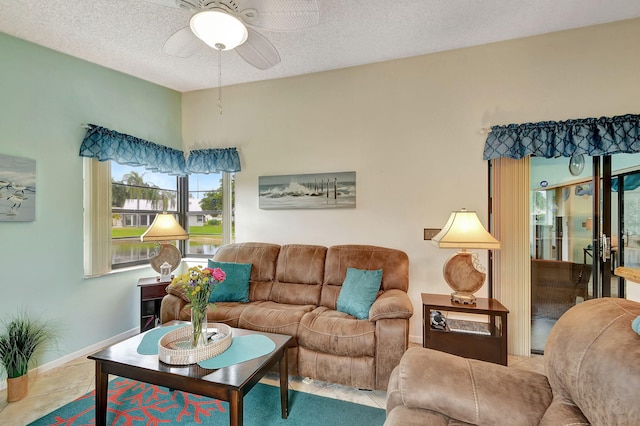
[[136, 403]]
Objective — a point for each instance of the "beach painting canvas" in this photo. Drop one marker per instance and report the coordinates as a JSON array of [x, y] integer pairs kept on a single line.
[[17, 189], [308, 191]]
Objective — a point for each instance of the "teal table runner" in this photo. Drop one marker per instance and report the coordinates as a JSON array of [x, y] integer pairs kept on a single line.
[[149, 343], [243, 348]]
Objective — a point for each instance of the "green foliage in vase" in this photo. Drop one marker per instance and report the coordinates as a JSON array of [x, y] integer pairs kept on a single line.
[[19, 340], [197, 284]]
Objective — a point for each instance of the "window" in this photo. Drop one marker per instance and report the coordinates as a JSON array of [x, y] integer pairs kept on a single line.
[[205, 213], [122, 201], [137, 195]]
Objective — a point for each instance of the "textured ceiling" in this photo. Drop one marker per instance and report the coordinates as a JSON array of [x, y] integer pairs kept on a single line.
[[128, 35]]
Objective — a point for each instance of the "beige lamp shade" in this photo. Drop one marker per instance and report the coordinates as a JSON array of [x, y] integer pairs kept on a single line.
[[165, 227], [464, 230]]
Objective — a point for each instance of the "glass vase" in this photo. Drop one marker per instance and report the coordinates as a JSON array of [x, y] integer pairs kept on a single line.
[[199, 323]]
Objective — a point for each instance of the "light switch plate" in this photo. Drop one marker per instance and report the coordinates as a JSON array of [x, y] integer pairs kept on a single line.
[[429, 233]]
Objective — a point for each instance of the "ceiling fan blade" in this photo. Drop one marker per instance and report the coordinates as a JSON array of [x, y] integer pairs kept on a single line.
[[258, 51], [166, 3], [187, 4], [183, 43], [279, 15]]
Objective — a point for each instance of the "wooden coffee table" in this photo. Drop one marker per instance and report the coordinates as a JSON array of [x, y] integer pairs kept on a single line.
[[227, 384]]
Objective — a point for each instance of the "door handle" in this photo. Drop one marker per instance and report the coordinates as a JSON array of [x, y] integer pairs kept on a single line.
[[606, 247]]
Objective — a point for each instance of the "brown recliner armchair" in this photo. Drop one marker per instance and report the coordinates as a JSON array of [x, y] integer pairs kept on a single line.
[[592, 363]]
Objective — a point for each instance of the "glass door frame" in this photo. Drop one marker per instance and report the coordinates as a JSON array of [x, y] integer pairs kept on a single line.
[[601, 211], [602, 228]]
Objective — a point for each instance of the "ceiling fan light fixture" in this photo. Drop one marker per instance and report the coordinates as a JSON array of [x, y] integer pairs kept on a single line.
[[219, 29]]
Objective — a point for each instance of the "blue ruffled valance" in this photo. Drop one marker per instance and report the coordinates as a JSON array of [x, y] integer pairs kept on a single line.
[[216, 160], [550, 139], [105, 144]]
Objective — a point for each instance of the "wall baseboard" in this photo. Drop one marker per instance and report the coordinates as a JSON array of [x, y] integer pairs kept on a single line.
[[34, 372], [415, 339]]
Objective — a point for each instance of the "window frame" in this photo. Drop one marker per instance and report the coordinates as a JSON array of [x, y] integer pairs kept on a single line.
[[226, 210], [97, 217]]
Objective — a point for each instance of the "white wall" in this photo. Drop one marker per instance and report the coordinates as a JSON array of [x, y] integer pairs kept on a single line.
[[45, 97], [411, 131]]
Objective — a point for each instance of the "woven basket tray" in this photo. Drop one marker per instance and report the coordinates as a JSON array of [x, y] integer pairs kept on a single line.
[[175, 347]]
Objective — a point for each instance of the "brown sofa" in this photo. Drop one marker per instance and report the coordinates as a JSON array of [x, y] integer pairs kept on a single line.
[[592, 363], [293, 290]]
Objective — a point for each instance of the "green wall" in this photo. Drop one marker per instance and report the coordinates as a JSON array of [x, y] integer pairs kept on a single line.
[[45, 97]]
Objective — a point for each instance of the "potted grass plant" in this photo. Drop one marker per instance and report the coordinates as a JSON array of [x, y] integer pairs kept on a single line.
[[19, 340]]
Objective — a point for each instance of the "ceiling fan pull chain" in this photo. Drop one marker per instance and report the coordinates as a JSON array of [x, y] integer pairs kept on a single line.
[[220, 80]]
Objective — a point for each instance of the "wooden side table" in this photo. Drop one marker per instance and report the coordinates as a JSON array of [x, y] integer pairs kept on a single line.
[[151, 293], [490, 347]]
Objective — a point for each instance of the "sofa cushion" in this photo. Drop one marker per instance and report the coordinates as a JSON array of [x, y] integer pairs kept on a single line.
[[227, 312], [262, 256], [299, 274], [235, 287], [273, 317], [358, 292], [394, 263], [301, 263], [337, 333]]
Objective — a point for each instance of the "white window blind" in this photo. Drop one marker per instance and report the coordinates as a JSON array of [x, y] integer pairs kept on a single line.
[[512, 280], [97, 217]]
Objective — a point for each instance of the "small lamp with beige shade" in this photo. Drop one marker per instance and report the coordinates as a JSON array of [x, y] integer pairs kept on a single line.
[[163, 231], [462, 271]]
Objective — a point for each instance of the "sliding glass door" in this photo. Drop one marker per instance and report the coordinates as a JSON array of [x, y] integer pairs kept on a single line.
[[628, 251], [560, 246], [604, 230], [617, 230], [585, 221]]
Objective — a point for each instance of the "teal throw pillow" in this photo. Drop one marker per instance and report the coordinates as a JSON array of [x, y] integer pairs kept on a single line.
[[359, 291], [635, 325], [235, 287]]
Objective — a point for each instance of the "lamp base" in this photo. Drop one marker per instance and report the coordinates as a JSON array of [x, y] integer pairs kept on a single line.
[[167, 253], [463, 298], [462, 276]]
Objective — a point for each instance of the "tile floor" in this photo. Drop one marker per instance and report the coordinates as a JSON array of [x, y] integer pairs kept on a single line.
[[540, 329], [55, 388]]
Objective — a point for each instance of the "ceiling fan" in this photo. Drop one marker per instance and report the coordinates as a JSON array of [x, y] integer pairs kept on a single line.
[[229, 24]]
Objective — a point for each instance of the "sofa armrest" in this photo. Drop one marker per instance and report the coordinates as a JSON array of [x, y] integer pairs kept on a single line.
[[390, 312], [170, 308], [472, 391], [178, 292], [390, 305]]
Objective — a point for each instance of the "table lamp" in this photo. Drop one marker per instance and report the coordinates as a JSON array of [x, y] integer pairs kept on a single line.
[[165, 229], [462, 271]]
